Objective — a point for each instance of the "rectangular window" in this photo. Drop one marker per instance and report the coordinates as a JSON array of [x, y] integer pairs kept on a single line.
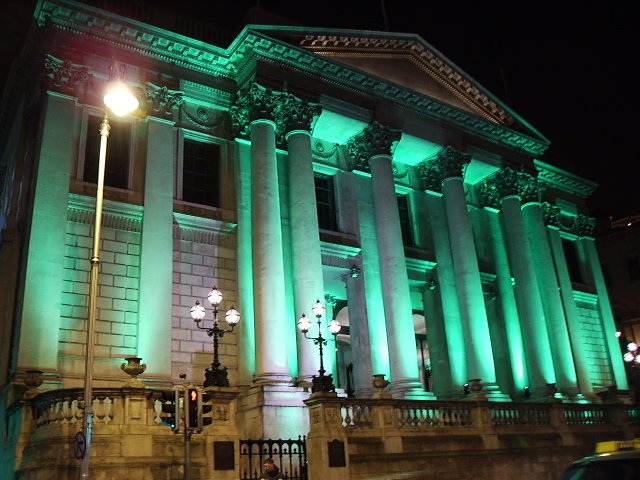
[[118, 152], [325, 201], [200, 173], [573, 262], [405, 221]]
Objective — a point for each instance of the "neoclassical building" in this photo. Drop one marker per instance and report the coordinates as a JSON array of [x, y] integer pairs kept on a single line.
[[361, 169]]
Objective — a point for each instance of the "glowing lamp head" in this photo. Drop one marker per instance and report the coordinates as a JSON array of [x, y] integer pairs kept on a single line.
[[334, 327], [119, 99], [214, 297], [304, 323], [318, 309], [197, 312], [232, 317]]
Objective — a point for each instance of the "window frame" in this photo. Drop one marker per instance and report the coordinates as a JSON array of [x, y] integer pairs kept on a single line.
[[82, 152], [188, 135]]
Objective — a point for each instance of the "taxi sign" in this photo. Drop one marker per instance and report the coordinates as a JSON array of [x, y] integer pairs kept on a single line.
[[618, 445]]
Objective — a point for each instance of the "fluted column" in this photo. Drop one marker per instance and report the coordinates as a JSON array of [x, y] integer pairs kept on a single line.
[[447, 170], [565, 369], [295, 117], [504, 188], [375, 146], [254, 113]]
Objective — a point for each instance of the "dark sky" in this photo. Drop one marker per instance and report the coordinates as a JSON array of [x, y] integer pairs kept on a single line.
[[567, 70]]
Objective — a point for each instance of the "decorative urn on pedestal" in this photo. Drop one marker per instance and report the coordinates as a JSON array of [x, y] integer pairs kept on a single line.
[[134, 368], [380, 383]]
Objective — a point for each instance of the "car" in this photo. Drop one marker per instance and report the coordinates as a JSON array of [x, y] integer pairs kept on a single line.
[[613, 460]]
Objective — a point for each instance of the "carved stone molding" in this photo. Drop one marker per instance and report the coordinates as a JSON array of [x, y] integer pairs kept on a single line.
[[376, 139], [551, 214], [236, 63], [64, 76], [253, 103], [161, 101], [510, 182], [585, 226], [116, 215], [293, 113], [448, 163]]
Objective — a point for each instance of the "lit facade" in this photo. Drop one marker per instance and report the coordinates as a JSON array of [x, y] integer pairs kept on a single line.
[[360, 168]]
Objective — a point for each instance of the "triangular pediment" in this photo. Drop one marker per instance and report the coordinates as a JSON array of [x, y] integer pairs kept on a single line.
[[405, 68]]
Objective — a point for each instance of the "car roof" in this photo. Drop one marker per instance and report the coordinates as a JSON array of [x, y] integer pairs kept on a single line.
[[610, 456]]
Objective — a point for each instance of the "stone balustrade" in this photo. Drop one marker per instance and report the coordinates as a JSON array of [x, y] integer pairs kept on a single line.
[[364, 438]]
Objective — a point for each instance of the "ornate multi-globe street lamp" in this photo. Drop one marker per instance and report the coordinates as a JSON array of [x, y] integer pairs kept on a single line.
[[119, 99], [321, 382], [216, 376]]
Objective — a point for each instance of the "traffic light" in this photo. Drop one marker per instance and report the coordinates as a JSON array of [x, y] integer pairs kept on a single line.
[[193, 404], [170, 409], [206, 411]]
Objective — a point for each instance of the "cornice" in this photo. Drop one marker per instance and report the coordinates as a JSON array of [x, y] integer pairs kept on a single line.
[[235, 63], [563, 180], [423, 57]]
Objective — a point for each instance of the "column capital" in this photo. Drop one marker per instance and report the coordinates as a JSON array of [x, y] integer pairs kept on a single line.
[[291, 113], [448, 163], [252, 103], [63, 76], [160, 101], [376, 139], [509, 182], [585, 226], [551, 215]]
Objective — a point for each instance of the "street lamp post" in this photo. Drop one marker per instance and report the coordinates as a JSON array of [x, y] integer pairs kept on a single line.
[[322, 382], [119, 99], [632, 359], [216, 376]]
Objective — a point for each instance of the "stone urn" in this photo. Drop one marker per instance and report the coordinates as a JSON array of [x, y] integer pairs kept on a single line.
[[33, 378], [380, 383], [134, 368]]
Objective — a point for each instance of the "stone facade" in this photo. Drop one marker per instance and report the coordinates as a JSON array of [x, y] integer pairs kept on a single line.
[[289, 168]]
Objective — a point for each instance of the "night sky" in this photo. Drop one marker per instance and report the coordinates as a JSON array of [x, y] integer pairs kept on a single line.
[[567, 70]]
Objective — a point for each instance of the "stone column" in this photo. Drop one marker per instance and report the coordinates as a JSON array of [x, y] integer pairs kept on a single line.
[[446, 281], [509, 308], [295, 117], [372, 151], [565, 369], [585, 226], [505, 188], [254, 114], [45, 249], [576, 335], [156, 252], [447, 170], [437, 341], [359, 334]]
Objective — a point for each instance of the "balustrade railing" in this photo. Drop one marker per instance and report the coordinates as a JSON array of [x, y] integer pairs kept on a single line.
[[362, 414], [66, 406]]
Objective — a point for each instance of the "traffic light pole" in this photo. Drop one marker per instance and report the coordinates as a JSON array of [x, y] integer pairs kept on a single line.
[[186, 413], [187, 454]]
